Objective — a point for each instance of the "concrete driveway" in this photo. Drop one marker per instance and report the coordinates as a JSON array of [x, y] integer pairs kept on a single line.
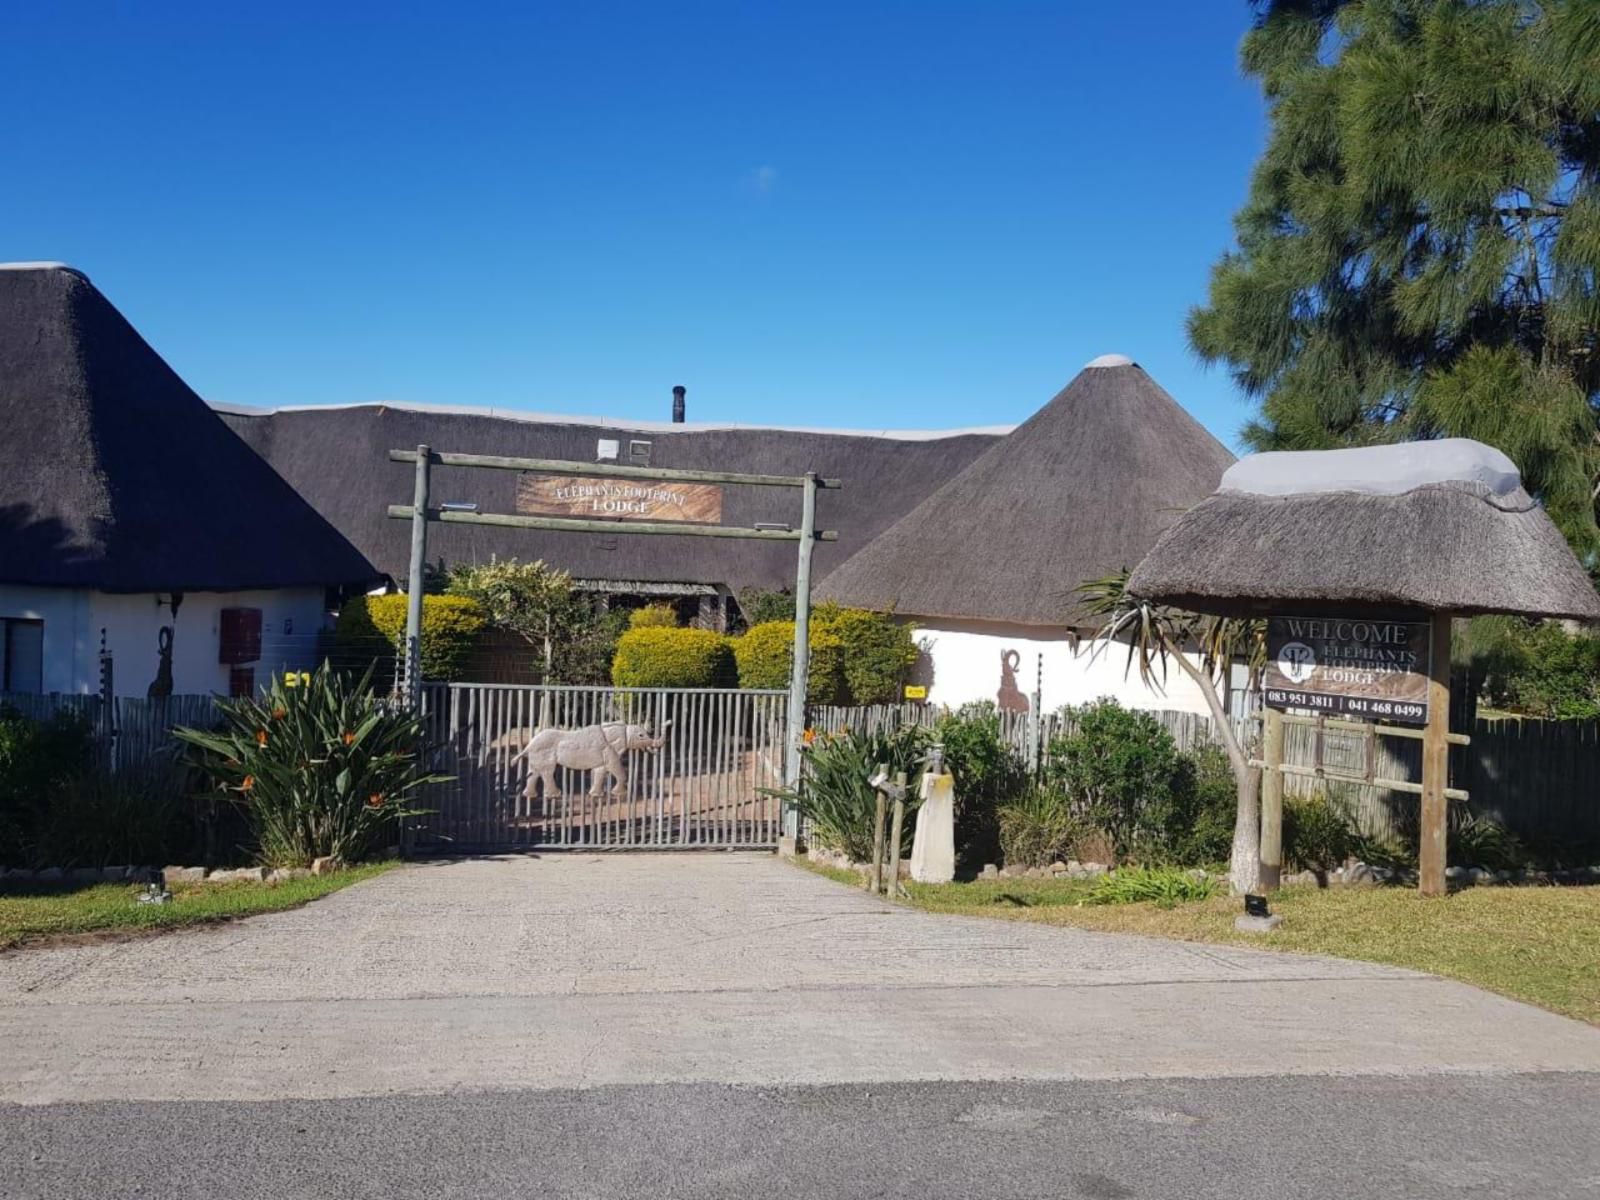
[[577, 971]]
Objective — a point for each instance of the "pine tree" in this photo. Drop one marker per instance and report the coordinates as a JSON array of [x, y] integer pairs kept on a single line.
[[1419, 255]]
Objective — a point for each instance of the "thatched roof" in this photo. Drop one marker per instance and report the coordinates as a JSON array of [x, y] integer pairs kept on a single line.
[[337, 457], [1079, 490], [115, 476], [1440, 526]]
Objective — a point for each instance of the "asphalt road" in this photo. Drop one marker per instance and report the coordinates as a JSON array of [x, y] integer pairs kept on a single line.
[[1445, 1136], [728, 1025]]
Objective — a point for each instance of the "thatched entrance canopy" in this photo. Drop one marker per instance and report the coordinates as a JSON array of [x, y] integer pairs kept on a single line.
[[1442, 526]]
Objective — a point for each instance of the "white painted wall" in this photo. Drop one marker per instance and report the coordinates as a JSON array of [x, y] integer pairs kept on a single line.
[[71, 654], [73, 619], [963, 662]]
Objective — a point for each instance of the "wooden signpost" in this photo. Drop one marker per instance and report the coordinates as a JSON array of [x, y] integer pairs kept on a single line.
[[1382, 677], [619, 499]]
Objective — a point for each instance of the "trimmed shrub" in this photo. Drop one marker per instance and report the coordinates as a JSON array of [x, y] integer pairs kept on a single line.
[[1199, 827], [1318, 834], [1123, 773], [320, 765], [653, 616], [450, 626], [37, 758], [1038, 828], [765, 657], [879, 651], [987, 772], [672, 658], [98, 818], [758, 607]]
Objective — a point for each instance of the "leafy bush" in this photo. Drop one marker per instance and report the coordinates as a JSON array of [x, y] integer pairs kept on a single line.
[[878, 652], [1537, 668], [672, 658], [1123, 773], [450, 625], [1475, 841], [1318, 833], [765, 657], [1198, 829], [653, 616], [319, 763], [1165, 887], [836, 796], [987, 772], [36, 760], [97, 818], [1038, 828], [758, 606]]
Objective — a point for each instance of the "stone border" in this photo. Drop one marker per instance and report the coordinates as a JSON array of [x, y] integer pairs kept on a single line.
[[170, 875]]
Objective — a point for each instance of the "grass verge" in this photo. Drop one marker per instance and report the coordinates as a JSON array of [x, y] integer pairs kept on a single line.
[[1538, 944], [41, 916]]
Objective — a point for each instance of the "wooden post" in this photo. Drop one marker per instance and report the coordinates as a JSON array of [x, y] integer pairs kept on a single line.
[[1435, 764], [877, 848], [1271, 799], [896, 828], [802, 649], [419, 560]]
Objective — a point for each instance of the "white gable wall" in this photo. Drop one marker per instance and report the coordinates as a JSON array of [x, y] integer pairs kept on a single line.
[[73, 620], [963, 662]]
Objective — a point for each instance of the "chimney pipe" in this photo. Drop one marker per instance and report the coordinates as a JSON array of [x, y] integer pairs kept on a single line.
[[678, 394]]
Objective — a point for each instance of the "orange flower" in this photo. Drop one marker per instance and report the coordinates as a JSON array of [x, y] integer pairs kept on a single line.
[[809, 736], [375, 800], [249, 782], [349, 737], [261, 737], [279, 713]]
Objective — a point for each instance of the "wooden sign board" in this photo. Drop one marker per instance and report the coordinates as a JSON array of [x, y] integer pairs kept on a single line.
[[1367, 669], [623, 499]]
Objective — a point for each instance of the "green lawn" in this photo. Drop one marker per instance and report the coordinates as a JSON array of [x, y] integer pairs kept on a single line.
[[1539, 944], [40, 915]]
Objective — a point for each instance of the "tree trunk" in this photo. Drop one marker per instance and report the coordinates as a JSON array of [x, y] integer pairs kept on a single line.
[[1244, 863]]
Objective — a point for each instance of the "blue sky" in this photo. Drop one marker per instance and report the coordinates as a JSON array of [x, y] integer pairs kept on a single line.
[[867, 215]]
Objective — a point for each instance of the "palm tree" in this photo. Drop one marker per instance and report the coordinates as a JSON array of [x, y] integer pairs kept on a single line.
[[1157, 635]]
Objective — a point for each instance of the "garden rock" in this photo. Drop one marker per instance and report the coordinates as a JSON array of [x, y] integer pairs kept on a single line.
[[1454, 872], [1360, 873], [1058, 868], [87, 875], [183, 874], [990, 871], [1479, 875], [1094, 868], [19, 875], [48, 875], [327, 865]]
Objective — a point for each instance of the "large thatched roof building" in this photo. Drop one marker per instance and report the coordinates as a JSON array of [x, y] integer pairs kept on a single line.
[[1441, 526], [988, 565], [337, 457], [127, 505]]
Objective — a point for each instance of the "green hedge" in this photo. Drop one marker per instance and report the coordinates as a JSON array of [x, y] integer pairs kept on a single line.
[[450, 626], [878, 653], [657, 657], [765, 656]]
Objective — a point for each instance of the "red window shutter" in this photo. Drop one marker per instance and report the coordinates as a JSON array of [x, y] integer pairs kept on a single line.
[[239, 636]]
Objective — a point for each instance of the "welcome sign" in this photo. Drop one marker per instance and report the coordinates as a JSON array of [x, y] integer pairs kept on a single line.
[[620, 499], [1367, 668]]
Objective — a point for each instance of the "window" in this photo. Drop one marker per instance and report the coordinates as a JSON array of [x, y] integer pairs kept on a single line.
[[21, 655]]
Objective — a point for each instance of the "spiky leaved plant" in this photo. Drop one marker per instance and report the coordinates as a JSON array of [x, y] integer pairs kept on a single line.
[[320, 764]]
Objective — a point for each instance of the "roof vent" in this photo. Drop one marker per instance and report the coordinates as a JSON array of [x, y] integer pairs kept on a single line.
[[678, 394], [1110, 360]]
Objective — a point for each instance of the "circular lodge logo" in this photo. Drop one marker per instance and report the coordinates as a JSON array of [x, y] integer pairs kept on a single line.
[[1296, 662]]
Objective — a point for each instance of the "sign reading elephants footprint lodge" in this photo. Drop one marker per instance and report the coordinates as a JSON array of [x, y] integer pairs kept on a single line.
[[619, 499], [1367, 669]]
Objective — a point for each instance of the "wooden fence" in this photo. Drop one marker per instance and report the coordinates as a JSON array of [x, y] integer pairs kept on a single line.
[[1540, 779], [134, 732]]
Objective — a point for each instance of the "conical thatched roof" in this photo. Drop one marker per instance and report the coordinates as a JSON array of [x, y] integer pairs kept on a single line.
[[1441, 526], [115, 476], [1079, 490]]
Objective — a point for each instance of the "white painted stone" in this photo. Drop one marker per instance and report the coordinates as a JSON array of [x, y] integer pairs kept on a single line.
[[933, 845]]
